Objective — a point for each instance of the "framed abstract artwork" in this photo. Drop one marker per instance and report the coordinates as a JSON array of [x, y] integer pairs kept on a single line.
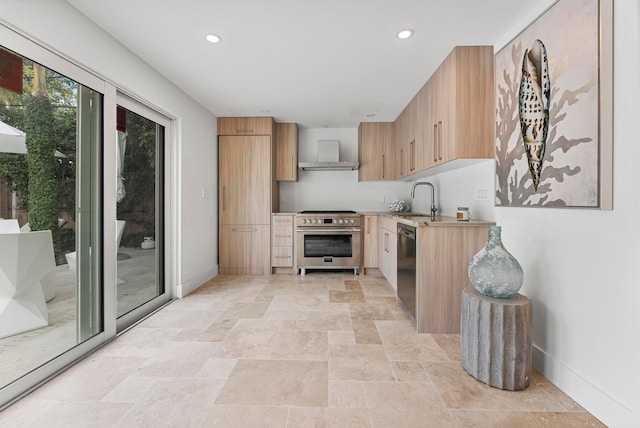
[[554, 110]]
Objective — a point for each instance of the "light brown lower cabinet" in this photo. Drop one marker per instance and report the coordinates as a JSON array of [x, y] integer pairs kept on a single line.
[[243, 252], [443, 256], [282, 260], [282, 257], [370, 241], [387, 250]]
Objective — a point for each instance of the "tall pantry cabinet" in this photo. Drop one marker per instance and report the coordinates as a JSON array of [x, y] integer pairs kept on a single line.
[[247, 193]]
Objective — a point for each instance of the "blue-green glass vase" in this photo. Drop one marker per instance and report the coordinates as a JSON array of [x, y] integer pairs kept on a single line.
[[493, 271]]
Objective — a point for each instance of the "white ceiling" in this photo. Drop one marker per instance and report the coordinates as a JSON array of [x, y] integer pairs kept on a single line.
[[320, 63]]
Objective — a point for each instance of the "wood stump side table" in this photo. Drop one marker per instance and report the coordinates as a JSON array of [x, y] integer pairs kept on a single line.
[[495, 339]]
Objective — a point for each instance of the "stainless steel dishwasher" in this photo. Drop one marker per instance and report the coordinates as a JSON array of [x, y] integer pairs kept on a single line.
[[407, 266]]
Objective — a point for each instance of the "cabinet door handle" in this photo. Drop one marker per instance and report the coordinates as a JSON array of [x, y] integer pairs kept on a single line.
[[293, 166], [383, 174], [440, 139], [244, 229], [412, 154], [244, 131], [283, 236], [282, 220], [224, 204], [435, 142]]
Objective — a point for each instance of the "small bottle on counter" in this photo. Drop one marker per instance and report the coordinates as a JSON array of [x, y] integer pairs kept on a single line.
[[463, 214]]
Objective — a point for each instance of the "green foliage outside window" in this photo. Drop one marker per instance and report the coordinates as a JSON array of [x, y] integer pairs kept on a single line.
[[40, 130], [50, 124]]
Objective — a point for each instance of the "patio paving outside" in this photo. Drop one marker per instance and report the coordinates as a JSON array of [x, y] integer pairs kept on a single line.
[[21, 353]]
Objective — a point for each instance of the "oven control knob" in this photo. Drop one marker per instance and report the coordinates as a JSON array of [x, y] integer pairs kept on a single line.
[[303, 221], [340, 221], [352, 221]]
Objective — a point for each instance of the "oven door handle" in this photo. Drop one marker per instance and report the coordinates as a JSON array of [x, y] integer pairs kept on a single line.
[[330, 230]]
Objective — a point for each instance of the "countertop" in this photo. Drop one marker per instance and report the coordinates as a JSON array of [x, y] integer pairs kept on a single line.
[[422, 219], [418, 219]]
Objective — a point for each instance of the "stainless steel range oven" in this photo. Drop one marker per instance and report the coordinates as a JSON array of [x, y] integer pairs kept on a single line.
[[328, 240]]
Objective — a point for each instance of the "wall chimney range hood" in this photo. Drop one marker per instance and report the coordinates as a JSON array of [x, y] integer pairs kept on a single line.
[[328, 159]]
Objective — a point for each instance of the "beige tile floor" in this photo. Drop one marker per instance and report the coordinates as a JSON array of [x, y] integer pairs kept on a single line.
[[326, 350]]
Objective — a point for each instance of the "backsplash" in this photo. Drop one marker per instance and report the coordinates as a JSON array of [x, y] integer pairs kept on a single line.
[[341, 190], [460, 188]]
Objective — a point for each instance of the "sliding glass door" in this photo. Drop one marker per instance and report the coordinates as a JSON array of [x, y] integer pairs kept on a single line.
[[83, 197], [140, 224], [51, 290]]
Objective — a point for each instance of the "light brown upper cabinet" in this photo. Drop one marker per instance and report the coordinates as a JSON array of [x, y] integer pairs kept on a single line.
[[405, 134], [422, 147], [245, 125], [391, 155], [451, 117], [462, 106], [286, 137], [374, 139]]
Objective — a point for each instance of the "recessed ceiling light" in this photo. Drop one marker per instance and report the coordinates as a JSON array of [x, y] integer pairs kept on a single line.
[[371, 115], [213, 38], [405, 34]]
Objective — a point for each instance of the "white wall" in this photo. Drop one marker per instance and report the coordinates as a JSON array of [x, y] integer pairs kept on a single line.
[[59, 26], [581, 265]]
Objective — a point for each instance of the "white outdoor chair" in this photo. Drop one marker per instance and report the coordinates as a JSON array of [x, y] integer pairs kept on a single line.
[[12, 226], [25, 259], [9, 226]]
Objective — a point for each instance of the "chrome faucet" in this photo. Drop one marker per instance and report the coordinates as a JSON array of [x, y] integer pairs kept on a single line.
[[433, 197]]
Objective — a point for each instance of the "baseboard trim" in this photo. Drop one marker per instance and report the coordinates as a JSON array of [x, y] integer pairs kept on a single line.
[[184, 288], [371, 271], [599, 403], [284, 270]]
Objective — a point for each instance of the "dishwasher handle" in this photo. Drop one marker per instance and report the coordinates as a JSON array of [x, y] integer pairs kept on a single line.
[[408, 231]]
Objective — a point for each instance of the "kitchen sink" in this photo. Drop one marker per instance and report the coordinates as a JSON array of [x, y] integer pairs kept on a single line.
[[410, 214], [420, 217]]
